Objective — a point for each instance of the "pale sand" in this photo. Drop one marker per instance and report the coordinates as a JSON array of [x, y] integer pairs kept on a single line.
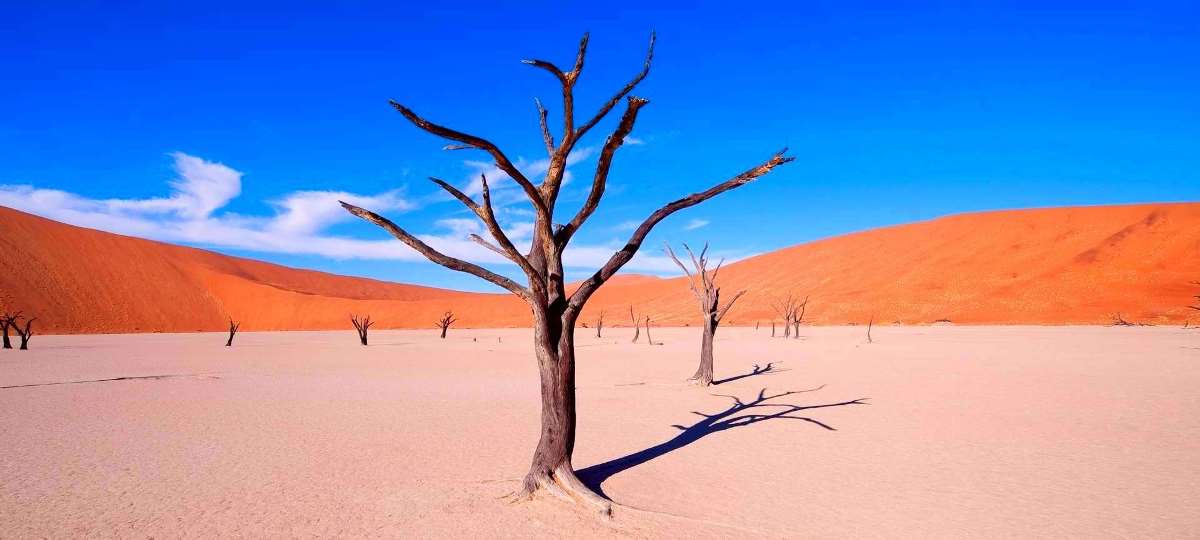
[[969, 432]]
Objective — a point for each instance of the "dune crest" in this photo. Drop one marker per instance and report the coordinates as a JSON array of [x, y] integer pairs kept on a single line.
[[1076, 265]]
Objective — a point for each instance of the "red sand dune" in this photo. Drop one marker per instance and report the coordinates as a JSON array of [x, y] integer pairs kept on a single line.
[[1047, 266]]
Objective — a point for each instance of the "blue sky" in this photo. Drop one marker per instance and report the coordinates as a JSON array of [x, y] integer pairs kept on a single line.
[[233, 126]]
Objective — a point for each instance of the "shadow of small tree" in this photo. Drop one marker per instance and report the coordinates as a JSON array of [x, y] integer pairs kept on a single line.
[[735, 416], [768, 370]]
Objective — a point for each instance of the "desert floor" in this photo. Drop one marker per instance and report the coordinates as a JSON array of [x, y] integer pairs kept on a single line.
[[965, 432]]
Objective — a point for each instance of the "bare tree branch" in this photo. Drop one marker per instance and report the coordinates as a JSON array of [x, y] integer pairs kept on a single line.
[[547, 137], [435, 255], [502, 160], [604, 109], [626, 253], [724, 310], [603, 165]]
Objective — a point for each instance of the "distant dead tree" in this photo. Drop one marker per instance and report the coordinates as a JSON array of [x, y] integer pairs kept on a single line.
[[25, 333], [233, 330], [1197, 297], [637, 325], [798, 317], [599, 323], [445, 322], [772, 327], [9, 320], [555, 312], [870, 323], [786, 307], [703, 283], [361, 326], [649, 340]]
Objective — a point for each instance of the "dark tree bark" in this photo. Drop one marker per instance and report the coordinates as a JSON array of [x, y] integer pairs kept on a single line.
[[772, 328], [361, 326], [637, 325], [704, 287], [555, 313], [8, 321], [445, 322], [233, 330], [25, 333]]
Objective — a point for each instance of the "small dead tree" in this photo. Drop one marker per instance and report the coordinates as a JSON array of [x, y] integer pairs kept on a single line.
[[649, 340], [870, 323], [1197, 297], [445, 322], [361, 326], [786, 308], [233, 330], [555, 312], [703, 283], [798, 317], [24, 333], [9, 321], [637, 325], [599, 323], [1119, 320]]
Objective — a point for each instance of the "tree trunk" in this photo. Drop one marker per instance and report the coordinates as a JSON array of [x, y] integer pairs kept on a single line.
[[772, 328], [551, 469], [704, 373], [7, 341], [444, 331], [787, 328], [362, 336]]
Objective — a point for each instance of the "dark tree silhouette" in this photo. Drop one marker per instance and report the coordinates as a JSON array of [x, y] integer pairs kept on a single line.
[[555, 312], [870, 323], [798, 317], [24, 333], [361, 326], [445, 322], [233, 330], [704, 287], [637, 325], [8, 321], [599, 323], [786, 308]]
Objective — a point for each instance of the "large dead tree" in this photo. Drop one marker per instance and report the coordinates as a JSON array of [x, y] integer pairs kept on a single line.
[[703, 283], [233, 330], [445, 322], [554, 311], [361, 326]]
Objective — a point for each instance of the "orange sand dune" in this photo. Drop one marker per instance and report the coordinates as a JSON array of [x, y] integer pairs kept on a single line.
[[1047, 266]]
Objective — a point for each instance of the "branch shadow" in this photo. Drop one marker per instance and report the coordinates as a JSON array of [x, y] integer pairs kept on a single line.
[[734, 416], [770, 369]]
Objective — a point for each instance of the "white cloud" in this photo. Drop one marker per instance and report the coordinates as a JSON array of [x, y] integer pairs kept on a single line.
[[695, 224], [626, 225], [192, 214], [634, 141]]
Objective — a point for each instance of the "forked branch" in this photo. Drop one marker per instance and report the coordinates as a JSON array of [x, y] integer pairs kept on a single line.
[[618, 259]]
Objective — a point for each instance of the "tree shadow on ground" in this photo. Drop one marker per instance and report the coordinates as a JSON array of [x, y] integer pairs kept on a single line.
[[770, 369], [739, 414]]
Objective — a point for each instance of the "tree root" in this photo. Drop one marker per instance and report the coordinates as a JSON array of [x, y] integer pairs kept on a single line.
[[564, 485]]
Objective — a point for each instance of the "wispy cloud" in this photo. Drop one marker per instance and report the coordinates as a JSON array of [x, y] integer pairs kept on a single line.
[[695, 224], [192, 214], [634, 141]]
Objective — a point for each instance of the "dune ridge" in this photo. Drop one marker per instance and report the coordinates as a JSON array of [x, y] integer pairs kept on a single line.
[[1074, 265]]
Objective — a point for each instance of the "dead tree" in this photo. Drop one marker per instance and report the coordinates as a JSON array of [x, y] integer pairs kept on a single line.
[[637, 325], [704, 287], [772, 327], [649, 340], [798, 317], [24, 333], [233, 330], [870, 323], [599, 323], [445, 322], [1197, 297], [555, 312], [7, 321], [1118, 320], [361, 326], [786, 309]]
